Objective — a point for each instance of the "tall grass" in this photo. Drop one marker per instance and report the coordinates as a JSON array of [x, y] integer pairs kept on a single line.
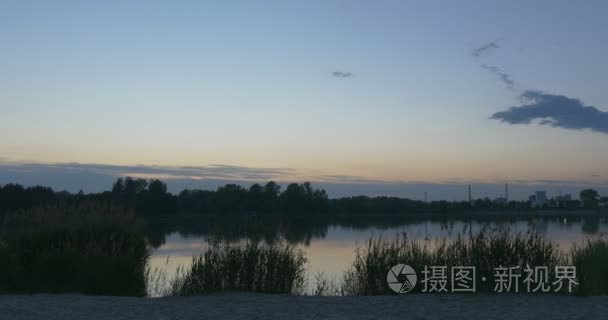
[[250, 267], [92, 249], [591, 261], [325, 287], [486, 250]]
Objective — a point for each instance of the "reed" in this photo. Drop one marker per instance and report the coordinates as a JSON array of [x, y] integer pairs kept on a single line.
[[485, 250], [251, 267], [591, 261]]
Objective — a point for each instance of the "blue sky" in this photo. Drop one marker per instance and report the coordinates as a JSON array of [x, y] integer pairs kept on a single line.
[[251, 84]]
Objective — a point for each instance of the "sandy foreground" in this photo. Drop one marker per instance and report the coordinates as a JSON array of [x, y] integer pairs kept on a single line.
[[259, 306]]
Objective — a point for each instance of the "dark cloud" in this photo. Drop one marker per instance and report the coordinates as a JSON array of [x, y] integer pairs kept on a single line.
[[549, 109], [559, 182], [341, 74], [502, 76], [556, 111], [52, 171], [486, 48], [336, 178]]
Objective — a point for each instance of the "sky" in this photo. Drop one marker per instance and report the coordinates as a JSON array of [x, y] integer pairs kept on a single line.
[[362, 97]]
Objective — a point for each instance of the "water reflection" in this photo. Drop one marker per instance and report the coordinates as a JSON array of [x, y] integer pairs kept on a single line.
[[302, 231], [591, 225], [329, 243]]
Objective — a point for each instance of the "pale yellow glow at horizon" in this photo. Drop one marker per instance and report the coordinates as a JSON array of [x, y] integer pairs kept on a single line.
[[430, 167]]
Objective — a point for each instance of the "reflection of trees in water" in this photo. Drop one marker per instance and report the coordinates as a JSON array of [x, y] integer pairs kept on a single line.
[[540, 225], [302, 230], [155, 235], [233, 229], [591, 225]]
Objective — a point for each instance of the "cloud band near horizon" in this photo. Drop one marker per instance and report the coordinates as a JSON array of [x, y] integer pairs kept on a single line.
[[99, 177]]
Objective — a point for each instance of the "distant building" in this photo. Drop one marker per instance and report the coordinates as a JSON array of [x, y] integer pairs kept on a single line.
[[538, 199]]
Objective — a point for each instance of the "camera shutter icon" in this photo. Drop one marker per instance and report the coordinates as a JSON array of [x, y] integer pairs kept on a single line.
[[401, 278]]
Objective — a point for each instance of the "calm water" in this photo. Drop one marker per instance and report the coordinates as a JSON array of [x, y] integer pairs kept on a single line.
[[330, 246]]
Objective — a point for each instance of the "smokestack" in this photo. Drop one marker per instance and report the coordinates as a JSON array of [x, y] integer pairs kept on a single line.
[[470, 200], [507, 192], [425, 196]]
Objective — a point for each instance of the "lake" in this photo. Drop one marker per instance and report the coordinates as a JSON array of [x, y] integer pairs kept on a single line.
[[329, 244]]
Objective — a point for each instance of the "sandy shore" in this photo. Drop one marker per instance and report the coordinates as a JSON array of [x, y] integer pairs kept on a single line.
[[258, 306]]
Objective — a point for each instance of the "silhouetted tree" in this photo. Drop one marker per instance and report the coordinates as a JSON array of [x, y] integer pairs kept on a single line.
[[146, 197], [230, 198], [589, 198], [157, 187], [302, 198], [271, 192], [150, 197], [255, 198], [15, 197]]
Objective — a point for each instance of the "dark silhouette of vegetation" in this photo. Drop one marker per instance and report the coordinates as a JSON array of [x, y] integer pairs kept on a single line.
[[91, 248], [15, 197], [231, 198], [590, 260], [252, 267], [97, 248], [150, 198], [485, 250], [590, 198], [147, 196]]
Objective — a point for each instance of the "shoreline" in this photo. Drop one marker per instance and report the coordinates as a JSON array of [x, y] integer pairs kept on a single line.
[[414, 215], [262, 306]]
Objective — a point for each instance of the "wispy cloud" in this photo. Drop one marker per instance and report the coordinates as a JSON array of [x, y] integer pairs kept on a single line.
[[214, 171], [337, 178], [341, 74], [556, 111], [502, 76], [485, 49]]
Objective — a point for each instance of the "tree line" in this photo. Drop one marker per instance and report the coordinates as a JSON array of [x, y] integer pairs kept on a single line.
[[149, 197]]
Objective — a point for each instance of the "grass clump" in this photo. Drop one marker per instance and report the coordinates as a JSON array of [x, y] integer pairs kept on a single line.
[[591, 261], [486, 250], [251, 267], [72, 249]]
